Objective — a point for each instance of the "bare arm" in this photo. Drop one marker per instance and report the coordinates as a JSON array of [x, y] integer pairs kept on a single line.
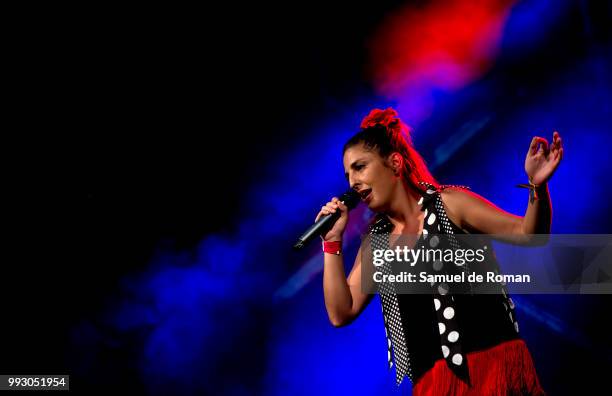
[[475, 214], [538, 216], [344, 298], [540, 164]]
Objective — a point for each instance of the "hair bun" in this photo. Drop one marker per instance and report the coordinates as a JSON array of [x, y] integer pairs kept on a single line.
[[387, 118]]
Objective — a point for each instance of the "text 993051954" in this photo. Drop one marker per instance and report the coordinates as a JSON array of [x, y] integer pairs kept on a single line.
[[34, 382]]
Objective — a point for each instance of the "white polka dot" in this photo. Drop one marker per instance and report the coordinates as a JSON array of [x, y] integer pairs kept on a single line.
[[516, 327], [425, 233], [431, 219], [449, 312], [443, 288], [457, 359], [445, 350], [437, 265], [433, 242], [453, 336], [425, 215], [438, 227], [437, 303], [420, 201], [430, 191], [441, 327]]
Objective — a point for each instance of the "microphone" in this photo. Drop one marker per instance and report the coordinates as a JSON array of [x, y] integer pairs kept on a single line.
[[325, 223]]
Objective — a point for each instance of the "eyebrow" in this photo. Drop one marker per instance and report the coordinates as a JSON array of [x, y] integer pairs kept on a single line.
[[353, 166]]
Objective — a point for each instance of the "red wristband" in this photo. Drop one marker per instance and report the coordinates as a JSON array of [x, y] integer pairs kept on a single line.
[[332, 247]]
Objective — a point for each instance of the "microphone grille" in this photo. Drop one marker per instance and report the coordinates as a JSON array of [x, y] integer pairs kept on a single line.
[[350, 198]]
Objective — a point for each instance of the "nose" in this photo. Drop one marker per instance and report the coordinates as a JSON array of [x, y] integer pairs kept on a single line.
[[354, 183]]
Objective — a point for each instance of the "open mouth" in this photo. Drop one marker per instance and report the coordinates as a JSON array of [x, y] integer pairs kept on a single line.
[[365, 194]]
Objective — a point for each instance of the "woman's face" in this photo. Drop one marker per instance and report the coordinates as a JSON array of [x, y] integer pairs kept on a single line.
[[369, 175]]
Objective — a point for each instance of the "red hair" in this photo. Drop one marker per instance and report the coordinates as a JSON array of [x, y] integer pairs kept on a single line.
[[384, 131]]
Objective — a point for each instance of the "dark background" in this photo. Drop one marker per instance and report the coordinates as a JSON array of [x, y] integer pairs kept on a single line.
[[135, 130]]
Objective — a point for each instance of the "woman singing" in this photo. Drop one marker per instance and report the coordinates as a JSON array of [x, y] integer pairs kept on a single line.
[[447, 344]]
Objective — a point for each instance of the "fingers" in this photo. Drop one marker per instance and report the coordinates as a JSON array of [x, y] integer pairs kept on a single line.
[[331, 207], [541, 142], [323, 212], [543, 145], [533, 145], [556, 147], [334, 206], [557, 141]]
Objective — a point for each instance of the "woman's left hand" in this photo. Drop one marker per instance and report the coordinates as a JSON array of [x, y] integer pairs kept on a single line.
[[540, 164]]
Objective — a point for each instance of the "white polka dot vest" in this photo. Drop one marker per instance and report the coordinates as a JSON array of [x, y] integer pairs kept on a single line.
[[423, 328]]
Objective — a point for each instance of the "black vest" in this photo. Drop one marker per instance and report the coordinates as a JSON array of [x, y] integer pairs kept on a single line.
[[483, 320]]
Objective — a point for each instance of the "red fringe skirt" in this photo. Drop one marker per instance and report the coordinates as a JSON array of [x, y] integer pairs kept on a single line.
[[505, 369]]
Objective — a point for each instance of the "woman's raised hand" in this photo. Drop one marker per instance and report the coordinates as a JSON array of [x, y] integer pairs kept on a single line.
[[541, 163], [335, 233]]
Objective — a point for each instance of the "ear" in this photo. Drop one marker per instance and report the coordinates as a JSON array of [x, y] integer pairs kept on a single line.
[[395, 161]]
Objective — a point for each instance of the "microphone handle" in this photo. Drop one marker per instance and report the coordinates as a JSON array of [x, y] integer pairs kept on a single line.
[[324, 224]]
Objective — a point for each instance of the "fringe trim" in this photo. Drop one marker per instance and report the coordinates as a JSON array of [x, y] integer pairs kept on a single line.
[[503, 370]]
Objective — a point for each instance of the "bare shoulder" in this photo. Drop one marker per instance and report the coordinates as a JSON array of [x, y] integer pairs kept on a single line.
[[456, 202], [459, 195], [475, 214]]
